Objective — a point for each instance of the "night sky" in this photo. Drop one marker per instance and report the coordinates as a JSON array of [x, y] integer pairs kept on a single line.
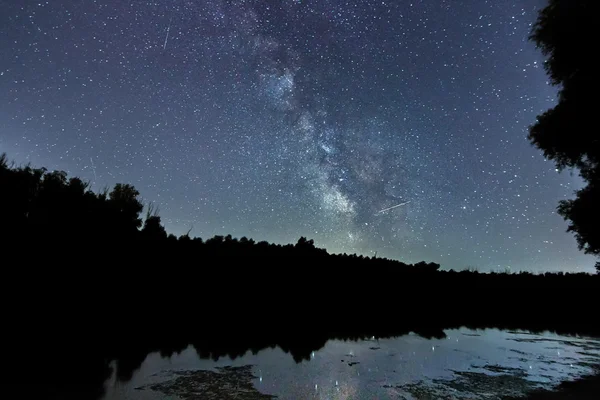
[[281, 119]]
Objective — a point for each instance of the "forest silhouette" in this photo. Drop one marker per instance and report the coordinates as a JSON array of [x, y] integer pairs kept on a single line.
[[93, 279]]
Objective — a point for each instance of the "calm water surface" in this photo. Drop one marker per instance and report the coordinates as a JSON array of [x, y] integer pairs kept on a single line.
[[467, 364]]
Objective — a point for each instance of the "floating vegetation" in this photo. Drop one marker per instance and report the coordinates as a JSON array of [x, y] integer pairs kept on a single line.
[[586, 345], [518, 352], [472, 385], [503, 370], [226, 383]]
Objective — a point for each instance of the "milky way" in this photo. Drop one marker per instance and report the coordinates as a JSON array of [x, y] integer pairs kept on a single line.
[[281, 119]]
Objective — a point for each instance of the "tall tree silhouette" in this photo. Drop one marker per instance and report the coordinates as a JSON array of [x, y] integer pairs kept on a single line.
[[153, 229], [568, 134], [124, 200]]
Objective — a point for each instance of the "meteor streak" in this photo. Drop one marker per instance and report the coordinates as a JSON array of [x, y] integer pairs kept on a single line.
[[168, 31], [391, 208], [94, 170]]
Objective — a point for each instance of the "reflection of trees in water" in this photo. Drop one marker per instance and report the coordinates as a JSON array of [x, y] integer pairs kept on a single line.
[[95, 282]]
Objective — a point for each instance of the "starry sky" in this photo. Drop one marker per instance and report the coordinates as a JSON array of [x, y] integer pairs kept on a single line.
[[286, 118]]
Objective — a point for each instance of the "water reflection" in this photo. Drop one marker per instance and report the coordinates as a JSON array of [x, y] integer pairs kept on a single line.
[[464, 362]]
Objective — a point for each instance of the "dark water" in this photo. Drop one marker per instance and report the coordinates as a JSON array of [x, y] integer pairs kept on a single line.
[[483, 364]]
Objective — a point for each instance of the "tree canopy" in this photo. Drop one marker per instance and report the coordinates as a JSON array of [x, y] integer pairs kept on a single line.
[[36, 204], [568, 133]]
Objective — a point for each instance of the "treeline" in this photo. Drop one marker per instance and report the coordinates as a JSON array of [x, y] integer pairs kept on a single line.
[[48, 207], [37, 204], [73, 247], [88, 277]]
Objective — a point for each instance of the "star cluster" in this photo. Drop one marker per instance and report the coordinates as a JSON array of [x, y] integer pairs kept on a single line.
[[288, 118]]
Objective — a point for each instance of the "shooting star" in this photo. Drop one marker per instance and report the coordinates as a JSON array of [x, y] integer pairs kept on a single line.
[[168, 31], [94, 170], [391, 208]]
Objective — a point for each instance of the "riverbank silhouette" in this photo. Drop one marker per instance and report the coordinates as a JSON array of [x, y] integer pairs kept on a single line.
[[89, 281]]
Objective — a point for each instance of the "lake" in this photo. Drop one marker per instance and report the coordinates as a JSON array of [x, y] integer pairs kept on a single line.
[[466, 364]]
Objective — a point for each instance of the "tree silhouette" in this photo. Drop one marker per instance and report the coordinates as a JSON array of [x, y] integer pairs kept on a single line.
[[49, 207], [427, 267], [568, 134], [124, 200], [598, 268], [153, 230]]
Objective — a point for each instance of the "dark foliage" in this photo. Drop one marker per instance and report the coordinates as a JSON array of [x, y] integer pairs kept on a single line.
[[568, 133], [87, 281], [40, 206]]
